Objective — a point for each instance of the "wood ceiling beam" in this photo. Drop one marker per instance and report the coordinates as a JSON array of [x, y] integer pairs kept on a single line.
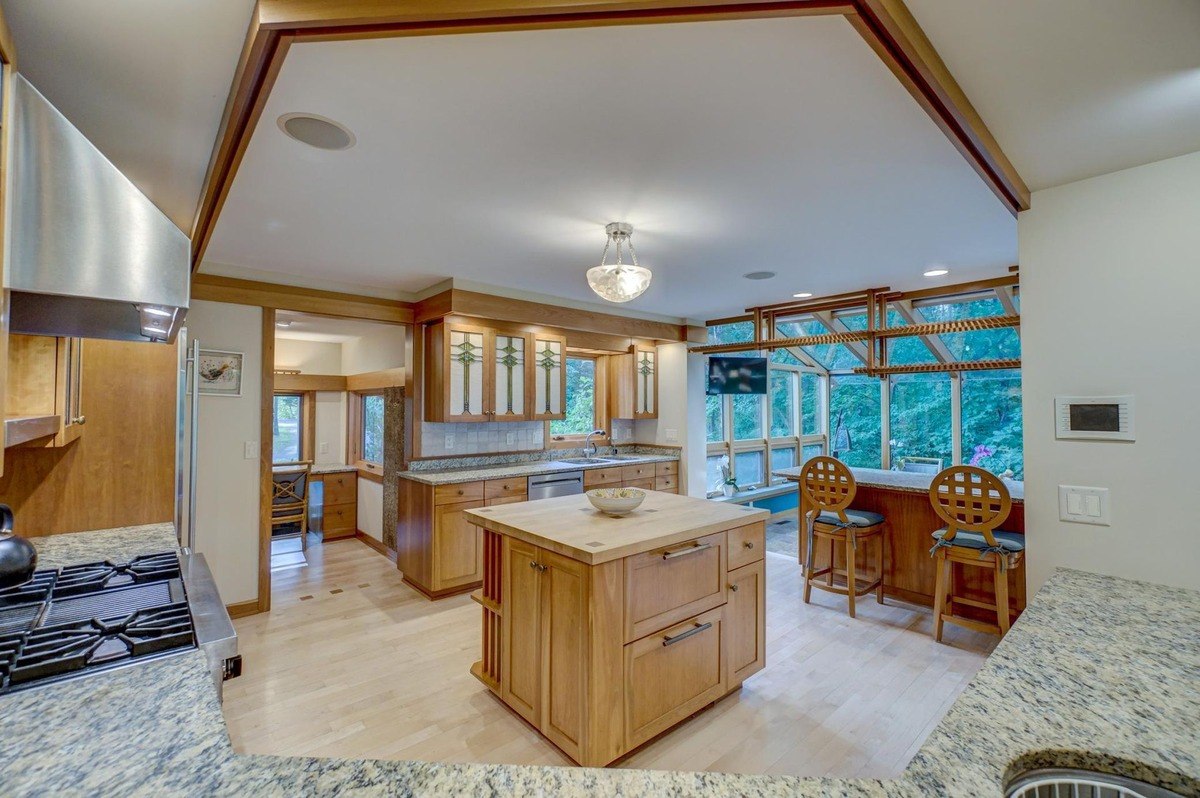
[[886, 25], [214, 288]]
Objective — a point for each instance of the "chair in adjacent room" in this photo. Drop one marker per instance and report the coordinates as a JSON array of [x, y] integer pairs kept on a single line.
[[827, 489], [289, 501], [973, 503]]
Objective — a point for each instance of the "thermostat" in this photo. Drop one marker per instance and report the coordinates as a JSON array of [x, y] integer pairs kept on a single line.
[[1094, 418]]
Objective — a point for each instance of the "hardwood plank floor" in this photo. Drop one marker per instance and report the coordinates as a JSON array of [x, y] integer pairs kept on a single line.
[[351, 662]]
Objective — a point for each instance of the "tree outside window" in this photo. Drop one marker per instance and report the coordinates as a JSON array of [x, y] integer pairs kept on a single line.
[[581, 398], [372, 428], [287, 437]]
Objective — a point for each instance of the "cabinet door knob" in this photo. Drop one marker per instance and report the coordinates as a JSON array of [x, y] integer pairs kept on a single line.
[[749, 544], [734, 588]]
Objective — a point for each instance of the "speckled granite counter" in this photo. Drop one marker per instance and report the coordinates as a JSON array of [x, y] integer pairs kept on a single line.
[[901, 480], [476, 473], [332, 468], [1099, 672], [119, 545]]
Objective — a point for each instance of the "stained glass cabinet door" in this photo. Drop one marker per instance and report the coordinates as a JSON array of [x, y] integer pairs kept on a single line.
[[645, 376], [467, 369], [509, 354], [546, 364]]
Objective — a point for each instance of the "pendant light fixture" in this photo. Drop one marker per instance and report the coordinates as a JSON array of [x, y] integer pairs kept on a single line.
[[619, 282]]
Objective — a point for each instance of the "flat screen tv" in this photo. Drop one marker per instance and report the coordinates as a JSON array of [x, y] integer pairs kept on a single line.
[[737, 375]]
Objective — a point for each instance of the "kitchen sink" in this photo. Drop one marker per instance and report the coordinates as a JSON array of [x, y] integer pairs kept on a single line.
[[585, 460], [1074, 783], [620, 457]]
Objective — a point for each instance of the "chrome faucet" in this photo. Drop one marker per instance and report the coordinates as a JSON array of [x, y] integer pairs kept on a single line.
[[590, 449]]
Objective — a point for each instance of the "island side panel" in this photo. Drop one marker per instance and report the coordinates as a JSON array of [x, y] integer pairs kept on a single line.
[[606, 665]]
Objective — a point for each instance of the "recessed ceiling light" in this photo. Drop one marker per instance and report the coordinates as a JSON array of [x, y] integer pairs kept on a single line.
[[759, 275], [283, 324], [803, 295], [936, 272], [317, 131]]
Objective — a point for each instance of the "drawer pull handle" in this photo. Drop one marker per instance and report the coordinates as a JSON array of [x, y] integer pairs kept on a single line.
[[749, 544], [670, 555], [734, 588], [535, 566], [695, 630]]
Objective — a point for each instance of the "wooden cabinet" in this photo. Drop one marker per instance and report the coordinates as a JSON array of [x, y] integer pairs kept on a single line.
[[747, 622], [633, 383], [457, 547], [601, 658], [45, 378], [481, 373], [548, 376], [339, 505], [649, 476]]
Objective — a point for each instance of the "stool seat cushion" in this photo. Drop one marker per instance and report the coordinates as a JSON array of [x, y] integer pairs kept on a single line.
[[1009, 541], [858, 518]]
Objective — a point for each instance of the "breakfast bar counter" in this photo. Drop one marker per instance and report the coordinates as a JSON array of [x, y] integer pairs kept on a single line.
[[604, 632]]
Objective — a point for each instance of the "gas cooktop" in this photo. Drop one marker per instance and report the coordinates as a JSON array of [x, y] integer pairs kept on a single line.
[[80, 619]]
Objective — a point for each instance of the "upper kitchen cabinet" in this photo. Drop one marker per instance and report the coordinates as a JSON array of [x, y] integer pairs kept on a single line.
[[478, 373], [633, 383], [549, 378], [44, 396]]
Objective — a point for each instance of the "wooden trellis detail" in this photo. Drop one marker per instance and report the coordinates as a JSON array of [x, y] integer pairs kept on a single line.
[[772, 344], [949, 327], [938, 368]]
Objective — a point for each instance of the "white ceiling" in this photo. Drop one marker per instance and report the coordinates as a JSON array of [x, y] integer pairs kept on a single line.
[[323, 329], [1075, 88], [731, 147], [145, 80]]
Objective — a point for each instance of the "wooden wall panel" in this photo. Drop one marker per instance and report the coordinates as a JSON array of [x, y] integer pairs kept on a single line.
[[121, 471]]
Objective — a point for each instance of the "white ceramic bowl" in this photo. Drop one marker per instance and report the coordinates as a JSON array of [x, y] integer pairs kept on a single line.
[[616, 501]]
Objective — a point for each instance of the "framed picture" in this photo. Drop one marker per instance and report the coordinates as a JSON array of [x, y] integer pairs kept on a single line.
[[220, 373]]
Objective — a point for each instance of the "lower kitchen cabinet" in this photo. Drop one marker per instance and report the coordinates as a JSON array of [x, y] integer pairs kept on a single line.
[[648, 476], [339, 505], [457, 549], [747, 630]]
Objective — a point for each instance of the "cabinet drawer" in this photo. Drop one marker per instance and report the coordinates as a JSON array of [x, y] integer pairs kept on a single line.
[[632, 472], [340, 518], [601, 476], [669, 484], [504, 488], [506, 500], [667, 585], [665, 469], [465, 492], [340, 488], [746, 544], [645, 484], [672, 674]]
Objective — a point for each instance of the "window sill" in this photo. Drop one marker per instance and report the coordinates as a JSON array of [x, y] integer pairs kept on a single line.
[[756, 494]]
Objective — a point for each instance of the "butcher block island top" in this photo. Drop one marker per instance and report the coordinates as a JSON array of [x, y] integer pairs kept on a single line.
[[572, 527], [604, 632]]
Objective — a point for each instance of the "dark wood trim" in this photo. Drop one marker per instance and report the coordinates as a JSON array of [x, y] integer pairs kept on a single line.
[[243, 608], [377, 545], [886, 25], [215, 288], [265, 455], [368, 471], [290, 383], [434, 595]]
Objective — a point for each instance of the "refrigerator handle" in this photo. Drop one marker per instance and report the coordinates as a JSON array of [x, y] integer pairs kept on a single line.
[[193, 443]]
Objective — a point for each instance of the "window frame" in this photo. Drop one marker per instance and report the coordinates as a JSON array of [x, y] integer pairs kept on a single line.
[[307, 424], [354, 434], [600, 417]]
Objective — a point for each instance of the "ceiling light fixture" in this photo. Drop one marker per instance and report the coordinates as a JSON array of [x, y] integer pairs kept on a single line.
[[619, 282], [936, 272], [317, 131], [802, 295], [759, 275]]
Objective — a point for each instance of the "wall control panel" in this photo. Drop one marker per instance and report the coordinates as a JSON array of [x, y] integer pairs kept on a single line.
[[1093, 418], [1082, 505]]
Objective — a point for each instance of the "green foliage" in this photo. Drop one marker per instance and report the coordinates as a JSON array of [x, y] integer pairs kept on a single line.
[[285, 421], [581, 398], [854, 403], [372, 428]]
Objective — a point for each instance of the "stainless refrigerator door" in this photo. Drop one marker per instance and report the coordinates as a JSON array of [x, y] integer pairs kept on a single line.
[[187, 412]]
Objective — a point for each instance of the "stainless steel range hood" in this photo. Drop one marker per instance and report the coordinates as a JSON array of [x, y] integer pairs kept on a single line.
[[89, 255]]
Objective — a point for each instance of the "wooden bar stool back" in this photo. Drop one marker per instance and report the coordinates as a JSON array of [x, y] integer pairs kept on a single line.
[[973, 503], [289, 501], [828, 488]]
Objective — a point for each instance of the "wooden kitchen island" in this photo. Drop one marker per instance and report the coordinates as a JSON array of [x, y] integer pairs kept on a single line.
[[605, 632]]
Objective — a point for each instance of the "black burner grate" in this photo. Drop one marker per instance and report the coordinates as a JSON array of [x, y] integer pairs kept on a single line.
[[111, 603], [77, 580], [36, 589]]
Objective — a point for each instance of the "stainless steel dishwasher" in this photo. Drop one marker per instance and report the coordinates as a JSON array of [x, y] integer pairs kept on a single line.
[[547, 486]]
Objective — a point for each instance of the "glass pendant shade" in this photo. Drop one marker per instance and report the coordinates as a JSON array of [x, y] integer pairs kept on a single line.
[[619, 282]]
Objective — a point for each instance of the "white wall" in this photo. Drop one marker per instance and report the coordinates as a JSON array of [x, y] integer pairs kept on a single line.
[[227, 482], [370, 508], [382, 348], [330, 434], [1110, 272], [310, 357]]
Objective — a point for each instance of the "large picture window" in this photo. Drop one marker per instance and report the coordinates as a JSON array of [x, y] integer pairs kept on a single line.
[[366, 430], [287, 427], [581, 399]]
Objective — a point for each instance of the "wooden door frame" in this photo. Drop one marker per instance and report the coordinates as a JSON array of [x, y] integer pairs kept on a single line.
[[887, 26]]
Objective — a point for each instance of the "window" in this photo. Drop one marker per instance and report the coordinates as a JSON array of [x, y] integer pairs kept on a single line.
[[287, 424], [812, 404], [855, 418], [372, 428], [783, 403], [991, 421], [714, 419], [581, 399], [921, 421]]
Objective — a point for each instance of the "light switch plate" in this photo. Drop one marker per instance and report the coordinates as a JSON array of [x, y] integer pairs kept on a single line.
[[449, 442], [324, 447], [251, 450], [1082, 505], [672, 435], [510, 438]]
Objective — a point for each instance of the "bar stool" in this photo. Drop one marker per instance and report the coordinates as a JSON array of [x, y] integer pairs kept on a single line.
[[973, 503], [828, 488]]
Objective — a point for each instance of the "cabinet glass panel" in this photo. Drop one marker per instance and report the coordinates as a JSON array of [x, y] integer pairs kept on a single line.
[[510, 376], [466, 373], [645, 366], [548, 376]]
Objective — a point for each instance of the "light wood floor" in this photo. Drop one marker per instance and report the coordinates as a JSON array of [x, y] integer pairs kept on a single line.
[[352, 663]]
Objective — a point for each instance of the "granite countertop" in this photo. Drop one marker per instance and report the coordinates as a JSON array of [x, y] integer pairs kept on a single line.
[[476, 473], [119, 545], [1097, 673], [901, 480], [332, 468]]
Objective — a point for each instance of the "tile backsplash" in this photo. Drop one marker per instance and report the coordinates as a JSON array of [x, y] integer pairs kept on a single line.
[[485, 437]]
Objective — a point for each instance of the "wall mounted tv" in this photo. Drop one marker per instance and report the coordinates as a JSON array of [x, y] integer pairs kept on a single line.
[[737, 375]]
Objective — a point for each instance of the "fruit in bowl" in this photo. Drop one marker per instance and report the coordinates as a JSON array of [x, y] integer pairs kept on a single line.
[[616, 501]]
